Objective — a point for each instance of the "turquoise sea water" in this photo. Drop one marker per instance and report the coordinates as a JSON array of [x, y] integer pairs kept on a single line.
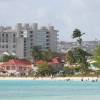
[[49, 90]]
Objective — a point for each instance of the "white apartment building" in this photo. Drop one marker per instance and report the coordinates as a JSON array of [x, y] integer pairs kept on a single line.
[[23, 38]]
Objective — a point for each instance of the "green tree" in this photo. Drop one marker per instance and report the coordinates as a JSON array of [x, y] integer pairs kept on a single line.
[[6, 58], [70, 58], [97, 56], [68, 70], [39, 54], [36, 53], [47, 55], [77, 34], [79, 54], [44, 69], [81, 59]]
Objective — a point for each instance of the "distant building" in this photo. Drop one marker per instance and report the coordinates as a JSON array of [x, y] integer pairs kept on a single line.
[[88, 46], [20, 40]]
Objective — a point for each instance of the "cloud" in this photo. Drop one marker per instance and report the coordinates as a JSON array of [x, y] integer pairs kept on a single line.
[[65, 15]]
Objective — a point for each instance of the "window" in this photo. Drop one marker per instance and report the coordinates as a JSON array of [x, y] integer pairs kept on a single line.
[[24, 54], [47, 36], [3, 35], [6, 46], [3, 46], [47, 44], [24, 47], [31, 44], [6, 40], [14, 46], [31, 35], [14, 40], [31, 31], [21, 35], [24, 40], [14, 35], [47, 47], [6, 35], [21, 31], [20, 68], [47, 39], [31, 40], [13, 67], [47, 32], [25, 68], [31, 47], [8, 67]]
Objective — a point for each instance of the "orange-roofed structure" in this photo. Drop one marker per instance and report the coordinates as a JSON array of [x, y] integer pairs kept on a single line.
[[56, 64], [55, 60], [39, 62], [16, 65]]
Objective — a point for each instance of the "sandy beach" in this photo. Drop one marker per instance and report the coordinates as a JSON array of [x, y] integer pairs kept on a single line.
[[49, 78]]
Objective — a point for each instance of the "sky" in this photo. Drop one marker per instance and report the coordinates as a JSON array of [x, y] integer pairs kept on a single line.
[[65, 15]]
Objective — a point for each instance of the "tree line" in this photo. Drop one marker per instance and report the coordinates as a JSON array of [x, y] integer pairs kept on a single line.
[[76, 56]]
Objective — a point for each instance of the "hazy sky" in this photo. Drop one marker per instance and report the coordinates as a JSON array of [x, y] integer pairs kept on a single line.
[[65, 15]]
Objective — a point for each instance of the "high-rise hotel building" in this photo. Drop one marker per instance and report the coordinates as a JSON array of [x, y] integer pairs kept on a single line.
[[23, 38]]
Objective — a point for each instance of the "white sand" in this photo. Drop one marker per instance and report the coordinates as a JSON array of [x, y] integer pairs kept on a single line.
[[49, 78]]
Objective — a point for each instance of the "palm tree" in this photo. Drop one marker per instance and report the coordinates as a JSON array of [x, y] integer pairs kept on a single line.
[[78, 35], [80, 55]]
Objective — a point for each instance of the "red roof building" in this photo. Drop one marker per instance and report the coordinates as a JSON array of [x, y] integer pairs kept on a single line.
[[56, 64], [39, 62], [16, 65], [55, 60]]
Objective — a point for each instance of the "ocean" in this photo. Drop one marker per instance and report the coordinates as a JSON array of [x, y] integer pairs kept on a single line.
[[49, 90]]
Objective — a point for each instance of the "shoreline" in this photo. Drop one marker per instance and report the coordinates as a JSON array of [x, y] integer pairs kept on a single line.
[[50, 78]]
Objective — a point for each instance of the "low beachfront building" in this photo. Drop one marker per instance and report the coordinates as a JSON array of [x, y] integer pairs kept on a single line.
[[55, 63], [18, 67]]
